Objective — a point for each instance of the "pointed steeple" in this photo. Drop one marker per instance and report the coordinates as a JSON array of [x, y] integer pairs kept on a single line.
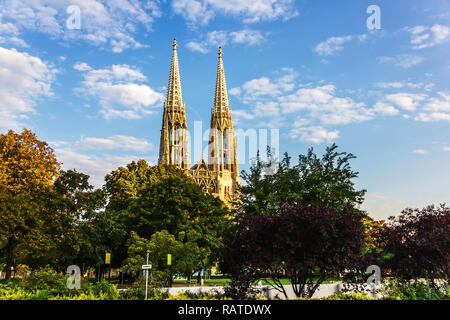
[[174, 148], [221, 96], [174, 97], [222, 151]]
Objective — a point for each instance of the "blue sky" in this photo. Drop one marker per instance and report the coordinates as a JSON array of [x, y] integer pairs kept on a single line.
[[310, 69]]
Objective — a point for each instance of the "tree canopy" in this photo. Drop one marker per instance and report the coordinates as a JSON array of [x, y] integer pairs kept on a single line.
[[27, 164], [418, 243], [28, 168], [123, 184], [325, 182], [196, 220], [306, 244]]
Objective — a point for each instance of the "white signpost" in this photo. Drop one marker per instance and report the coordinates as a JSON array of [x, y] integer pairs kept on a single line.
[[146, 268]]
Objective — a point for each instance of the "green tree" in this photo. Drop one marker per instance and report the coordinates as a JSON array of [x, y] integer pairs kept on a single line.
[[186, 257], [28, 168], [123, 184], [181, 208], [81, 232], [325, 182]]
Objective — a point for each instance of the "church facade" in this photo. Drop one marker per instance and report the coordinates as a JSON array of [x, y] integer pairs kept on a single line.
[[219, 173]]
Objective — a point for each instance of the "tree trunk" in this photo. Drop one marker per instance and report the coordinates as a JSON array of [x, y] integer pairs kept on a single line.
[[9, 257]]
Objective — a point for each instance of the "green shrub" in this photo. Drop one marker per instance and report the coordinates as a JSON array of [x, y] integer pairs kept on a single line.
[[15, 294], [418, 290], [102, 289], [45, 279], [192, 296], [348, 296], [47, 284]]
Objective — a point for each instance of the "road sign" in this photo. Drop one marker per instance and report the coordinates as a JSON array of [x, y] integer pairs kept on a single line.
[[169, 259], [146, 266]]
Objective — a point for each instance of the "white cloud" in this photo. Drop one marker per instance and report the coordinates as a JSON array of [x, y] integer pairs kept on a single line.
[[110, 24], [267, 109], [332, 45], [196, 46], [203, 11], [324, 106], [439, 104], [237, 91], [424, 36], [406, 101], [281, 97], [119, 92], [403, 84], [24, 80], [433, 116], [384, 108], [194, 11], [83, 66], [403, 60], [94, 166], [243, 115], [216, 38], [266, 87], [260, 87], [390, 85], [9, 34], [250, 37], [314, 134], [116, 142]]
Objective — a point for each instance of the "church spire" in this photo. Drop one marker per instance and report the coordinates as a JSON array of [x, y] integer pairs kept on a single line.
[[174, 147], [222, 153], [221, 96], [174, 97]]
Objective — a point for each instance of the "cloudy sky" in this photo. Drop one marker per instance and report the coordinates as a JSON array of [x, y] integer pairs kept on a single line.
[[310, 68]]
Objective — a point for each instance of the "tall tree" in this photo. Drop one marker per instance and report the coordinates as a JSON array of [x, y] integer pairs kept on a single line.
[[306, 244], [28, 167], [123, 184], [325, 182], [418, 242], [79, 207], [185, 256], [27, 164], [184, 211]]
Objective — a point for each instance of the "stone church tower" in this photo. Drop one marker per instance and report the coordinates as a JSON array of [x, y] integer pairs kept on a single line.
[[173, 148], [218, 176]]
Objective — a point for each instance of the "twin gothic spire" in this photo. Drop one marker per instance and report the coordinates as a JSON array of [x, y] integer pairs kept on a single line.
[[174, 137]]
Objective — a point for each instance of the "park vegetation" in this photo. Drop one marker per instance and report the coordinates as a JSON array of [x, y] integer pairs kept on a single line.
[[299, 224]]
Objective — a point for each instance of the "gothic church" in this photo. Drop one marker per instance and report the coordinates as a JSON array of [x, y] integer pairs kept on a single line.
[[218, 176]]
